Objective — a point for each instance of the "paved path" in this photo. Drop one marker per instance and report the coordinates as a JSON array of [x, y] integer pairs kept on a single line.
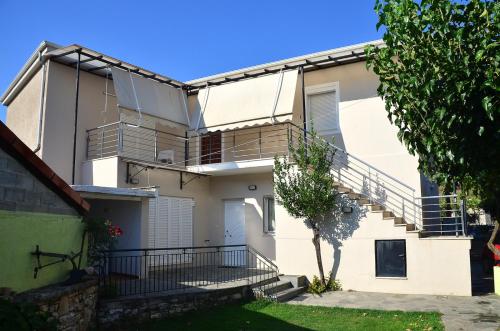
[[459, 313]]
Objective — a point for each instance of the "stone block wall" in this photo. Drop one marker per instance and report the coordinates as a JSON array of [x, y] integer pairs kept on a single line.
[[113, 313], [21, 191], [74, 306]]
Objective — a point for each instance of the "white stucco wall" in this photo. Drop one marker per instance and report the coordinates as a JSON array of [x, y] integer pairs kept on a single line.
[[434, 265]]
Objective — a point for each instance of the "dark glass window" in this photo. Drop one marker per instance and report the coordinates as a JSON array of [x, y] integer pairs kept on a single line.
[[269, 220], [390, 258]]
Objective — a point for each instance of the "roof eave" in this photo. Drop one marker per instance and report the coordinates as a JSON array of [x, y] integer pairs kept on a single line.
[[27, 72], [331, 52]]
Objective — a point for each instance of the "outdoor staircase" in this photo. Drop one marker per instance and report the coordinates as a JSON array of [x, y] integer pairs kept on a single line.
[[375, 207], [286, 287]]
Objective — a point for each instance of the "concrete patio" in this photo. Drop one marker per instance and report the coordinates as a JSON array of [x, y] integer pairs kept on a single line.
[[479, 313]]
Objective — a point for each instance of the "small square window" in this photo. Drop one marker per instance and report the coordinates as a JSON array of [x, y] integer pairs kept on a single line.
[[269, 221], [390, 258]]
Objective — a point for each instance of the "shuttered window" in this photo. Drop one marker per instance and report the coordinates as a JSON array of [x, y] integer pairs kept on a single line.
[[170, 226], [322, 111]]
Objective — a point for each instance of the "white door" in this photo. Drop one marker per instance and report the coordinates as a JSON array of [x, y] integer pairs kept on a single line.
[[234, 232]]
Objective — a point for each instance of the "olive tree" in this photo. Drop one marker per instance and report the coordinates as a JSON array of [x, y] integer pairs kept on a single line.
[[439, 76], [303, 183]]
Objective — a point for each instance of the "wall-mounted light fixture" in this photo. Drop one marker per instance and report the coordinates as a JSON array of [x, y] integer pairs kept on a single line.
[[252, 187], [346, 209]]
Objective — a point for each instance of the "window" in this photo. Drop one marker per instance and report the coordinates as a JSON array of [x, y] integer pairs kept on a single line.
[[269, 221], [322, 108], [390, 258]]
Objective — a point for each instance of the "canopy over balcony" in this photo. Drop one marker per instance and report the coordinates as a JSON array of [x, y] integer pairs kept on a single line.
[[263, 100]]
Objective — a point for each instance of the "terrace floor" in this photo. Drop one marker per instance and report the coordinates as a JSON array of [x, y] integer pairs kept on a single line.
[[189, 279]]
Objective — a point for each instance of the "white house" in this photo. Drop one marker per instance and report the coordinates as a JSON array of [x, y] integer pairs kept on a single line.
[[189, 164]]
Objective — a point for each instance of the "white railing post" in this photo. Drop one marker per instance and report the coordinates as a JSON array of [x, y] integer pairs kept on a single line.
[[370, 184], [260, 142], [155, 157], [120, 138], [102, 141], [463, 216], [414, 211]]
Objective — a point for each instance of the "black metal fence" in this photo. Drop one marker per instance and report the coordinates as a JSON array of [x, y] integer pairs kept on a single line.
[[125, 272]]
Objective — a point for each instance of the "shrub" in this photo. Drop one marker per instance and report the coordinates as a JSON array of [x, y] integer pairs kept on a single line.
[[316, 287], [24, 317]]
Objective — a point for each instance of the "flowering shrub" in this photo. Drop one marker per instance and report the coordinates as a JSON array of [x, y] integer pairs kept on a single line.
[[102, 235], [114, 230]]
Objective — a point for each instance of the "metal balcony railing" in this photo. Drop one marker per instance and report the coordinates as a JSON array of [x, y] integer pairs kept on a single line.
[[263, 142], [152, 145]]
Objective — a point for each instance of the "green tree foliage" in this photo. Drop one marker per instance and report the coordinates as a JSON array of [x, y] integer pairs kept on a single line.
[[439, 77], [303, 183]]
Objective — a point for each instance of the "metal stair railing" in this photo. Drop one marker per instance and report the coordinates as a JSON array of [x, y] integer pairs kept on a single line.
[[374, 184]]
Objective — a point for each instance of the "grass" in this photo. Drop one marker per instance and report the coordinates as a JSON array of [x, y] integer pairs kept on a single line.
[[261, 315]]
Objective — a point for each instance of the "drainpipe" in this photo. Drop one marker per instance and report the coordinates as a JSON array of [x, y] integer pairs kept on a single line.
[[42, 104], [77, 91]]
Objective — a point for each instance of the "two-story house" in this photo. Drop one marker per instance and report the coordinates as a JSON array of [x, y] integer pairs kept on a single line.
[[190, 164]]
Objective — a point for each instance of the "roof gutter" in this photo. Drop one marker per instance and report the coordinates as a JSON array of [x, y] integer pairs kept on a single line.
[[29, 69]]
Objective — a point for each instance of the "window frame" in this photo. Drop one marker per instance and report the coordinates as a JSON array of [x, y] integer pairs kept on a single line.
[[319, 89], [265, 214], [405, 274]]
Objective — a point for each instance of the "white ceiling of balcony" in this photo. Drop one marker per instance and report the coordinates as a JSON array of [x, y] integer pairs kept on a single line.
[[245, 103]]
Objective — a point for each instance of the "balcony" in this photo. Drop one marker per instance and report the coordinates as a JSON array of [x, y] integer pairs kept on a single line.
[[201, 152]]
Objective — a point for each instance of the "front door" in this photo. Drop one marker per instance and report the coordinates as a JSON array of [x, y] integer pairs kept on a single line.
[[234, 232]]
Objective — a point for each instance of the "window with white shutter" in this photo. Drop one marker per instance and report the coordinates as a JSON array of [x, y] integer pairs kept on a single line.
[[171, 226], [322, 108]]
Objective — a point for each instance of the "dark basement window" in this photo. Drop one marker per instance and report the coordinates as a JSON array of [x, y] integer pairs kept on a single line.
[[390, 258]]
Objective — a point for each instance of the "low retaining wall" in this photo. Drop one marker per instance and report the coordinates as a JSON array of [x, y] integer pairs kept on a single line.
[[74, 306], [121, 311]]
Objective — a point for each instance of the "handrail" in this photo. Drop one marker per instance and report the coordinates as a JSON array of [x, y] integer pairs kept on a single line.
[[168, 248], [357, 159], [250, 248]]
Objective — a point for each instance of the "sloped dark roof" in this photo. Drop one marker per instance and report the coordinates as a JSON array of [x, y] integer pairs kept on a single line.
[[12, 145]]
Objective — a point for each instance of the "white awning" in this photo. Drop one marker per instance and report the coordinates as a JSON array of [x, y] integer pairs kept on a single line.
[[151, 97], [249, 102]]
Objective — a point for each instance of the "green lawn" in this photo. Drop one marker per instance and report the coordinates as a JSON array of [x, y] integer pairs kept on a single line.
[[260, 315]]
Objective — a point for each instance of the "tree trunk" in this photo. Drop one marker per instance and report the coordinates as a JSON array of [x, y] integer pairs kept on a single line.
[[317, 247], [491, 242]]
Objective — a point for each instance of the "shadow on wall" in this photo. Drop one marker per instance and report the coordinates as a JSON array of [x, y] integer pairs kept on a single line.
[[339, 226], [355, 174]]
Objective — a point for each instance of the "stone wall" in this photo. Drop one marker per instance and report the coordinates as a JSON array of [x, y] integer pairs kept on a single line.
[[74, 306], [126, 311], [21, 191]]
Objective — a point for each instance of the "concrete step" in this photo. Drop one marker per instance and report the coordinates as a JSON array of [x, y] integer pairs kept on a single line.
[[290, 293], [377, 208], [354, 196], [363, 201], [387, 214], [297, 281], [410, 227], [279, 286], [343, 189], [399, 221]]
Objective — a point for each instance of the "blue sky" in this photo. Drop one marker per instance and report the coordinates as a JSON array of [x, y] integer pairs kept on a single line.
[[183, 39]]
